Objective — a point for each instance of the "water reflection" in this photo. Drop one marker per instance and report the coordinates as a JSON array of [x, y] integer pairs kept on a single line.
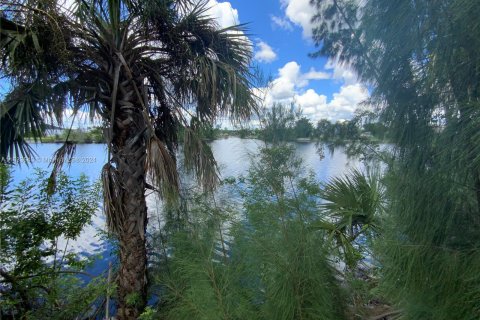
[[233, 156]]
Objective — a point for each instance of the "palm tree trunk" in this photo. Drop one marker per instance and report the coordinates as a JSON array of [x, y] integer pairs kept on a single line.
[[128, 153]]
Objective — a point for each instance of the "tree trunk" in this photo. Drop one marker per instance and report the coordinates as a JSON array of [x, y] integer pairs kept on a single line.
[[128, 154]]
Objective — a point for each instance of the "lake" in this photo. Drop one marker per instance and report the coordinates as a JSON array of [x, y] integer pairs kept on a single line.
[[233, 156]]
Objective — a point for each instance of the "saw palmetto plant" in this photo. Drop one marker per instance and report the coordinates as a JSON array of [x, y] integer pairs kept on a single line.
[[354, 206], [144, 68]]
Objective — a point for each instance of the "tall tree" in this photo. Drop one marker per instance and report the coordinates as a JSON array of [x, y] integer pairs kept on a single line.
[[324, 129], [303, 128], [144, 68], [422, 59], [278, 122]]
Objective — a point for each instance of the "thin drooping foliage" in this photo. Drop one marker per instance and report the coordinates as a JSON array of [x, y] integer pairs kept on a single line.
[[296, 279], [267, 261], [278, 123], [144, 68], [199, 279], [422, 60]]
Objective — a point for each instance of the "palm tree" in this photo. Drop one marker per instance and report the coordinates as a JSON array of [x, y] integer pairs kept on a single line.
[[145, 68]]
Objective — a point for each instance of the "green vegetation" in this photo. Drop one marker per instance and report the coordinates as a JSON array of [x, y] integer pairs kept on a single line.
[[39, 275], [398, 239], [94, 135], [286, 123], [298, 127], [276, 257], [96, 58], [422, 60], [278, 123]]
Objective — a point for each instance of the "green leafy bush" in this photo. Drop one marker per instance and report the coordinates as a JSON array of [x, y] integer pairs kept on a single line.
[[39, 276]]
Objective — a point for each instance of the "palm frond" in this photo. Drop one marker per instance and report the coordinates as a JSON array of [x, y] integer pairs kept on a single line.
[[199, 158], [65, 152], [20, 118], [112, 192], [210, 67], [353, 201], [162, 169]]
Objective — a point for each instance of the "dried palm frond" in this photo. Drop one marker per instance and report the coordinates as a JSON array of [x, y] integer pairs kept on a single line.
[[65, 152], [199, 159], [112, 193], [162, 169]]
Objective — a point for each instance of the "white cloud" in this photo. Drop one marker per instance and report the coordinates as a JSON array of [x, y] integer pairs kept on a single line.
[[300, 12], [226, 16], [290, 79], [311, 103], [349, 97], [316, 75], [284, 86], [341, 72], [265, 53], [290, 85], [341, 107], [223, 12], [283, 23]]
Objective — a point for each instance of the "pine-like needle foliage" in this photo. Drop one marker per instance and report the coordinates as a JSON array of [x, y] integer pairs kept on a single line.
[[198, 278], [422, 59], [268, 262]]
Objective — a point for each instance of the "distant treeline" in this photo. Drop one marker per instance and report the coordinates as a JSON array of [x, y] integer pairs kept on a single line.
[[90, 135], [280, 123], [283, 123]]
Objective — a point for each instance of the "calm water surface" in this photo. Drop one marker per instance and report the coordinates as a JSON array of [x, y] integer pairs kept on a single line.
[[233, 156]]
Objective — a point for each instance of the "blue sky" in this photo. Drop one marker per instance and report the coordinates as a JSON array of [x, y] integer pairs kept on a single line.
[[281, 33]]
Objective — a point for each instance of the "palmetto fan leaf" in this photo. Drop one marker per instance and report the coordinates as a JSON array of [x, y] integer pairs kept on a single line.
[[23, 114], [211, 65], [354, 201], [353, 207]]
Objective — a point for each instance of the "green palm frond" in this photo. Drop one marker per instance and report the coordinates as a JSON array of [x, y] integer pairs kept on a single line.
[[353, 207], [354, 201], [213, 67], [20, 118]]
